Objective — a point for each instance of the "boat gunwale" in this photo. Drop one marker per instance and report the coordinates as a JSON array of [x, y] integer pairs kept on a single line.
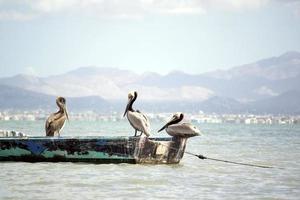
[[85, 138]]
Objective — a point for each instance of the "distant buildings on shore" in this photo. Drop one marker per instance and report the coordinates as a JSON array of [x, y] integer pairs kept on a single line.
[[196, 118], [245, 119]]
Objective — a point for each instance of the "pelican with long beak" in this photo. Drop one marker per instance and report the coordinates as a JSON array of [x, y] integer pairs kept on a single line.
[[173, 128], [56, 121], [137, 120]]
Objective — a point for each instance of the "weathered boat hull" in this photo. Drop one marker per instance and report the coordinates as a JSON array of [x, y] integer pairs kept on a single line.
[[167, 150]]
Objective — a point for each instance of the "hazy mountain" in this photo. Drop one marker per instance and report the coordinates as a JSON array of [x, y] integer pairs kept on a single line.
[[89, 103], [259, 80], [108, 83], [265, 78], [17, 98], [286, 103], [282, 67], [20, 99], [242, 88], [28, 82]]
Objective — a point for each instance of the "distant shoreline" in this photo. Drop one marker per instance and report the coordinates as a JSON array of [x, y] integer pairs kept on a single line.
[[161, 117]]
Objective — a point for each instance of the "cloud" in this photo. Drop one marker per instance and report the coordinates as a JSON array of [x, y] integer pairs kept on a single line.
[[29, 9]]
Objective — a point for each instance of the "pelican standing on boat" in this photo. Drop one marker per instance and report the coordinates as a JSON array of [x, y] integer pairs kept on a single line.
[[137, 120], [56, 121], [182, 129]]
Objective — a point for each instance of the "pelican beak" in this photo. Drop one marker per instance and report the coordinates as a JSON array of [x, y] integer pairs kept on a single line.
[[65, 109], [127, 107], [125, 112], [165, 126], [67, 116]]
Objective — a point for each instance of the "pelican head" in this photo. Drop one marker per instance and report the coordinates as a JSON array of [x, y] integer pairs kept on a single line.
[[131, 98], [61, 103], [176, 118]]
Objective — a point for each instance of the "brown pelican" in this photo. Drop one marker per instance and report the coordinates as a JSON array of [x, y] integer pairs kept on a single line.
[[56, 121], [137, 120], [182, 129]]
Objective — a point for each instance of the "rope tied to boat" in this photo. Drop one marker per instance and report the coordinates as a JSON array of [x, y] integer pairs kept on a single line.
[[202, 157], [227, 161]]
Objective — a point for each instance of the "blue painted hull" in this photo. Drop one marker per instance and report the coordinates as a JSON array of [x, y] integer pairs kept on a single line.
[[167, 150]]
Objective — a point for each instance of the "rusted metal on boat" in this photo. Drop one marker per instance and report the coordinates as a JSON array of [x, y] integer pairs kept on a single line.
[[118, 149]]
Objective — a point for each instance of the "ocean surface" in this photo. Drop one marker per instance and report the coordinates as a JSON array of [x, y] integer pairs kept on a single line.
[[272, 145]]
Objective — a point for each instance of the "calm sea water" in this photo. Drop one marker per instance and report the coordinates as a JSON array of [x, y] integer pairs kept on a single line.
[[274, 145]]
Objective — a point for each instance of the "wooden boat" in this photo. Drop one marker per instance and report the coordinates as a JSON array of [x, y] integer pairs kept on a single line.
[[119, 149]]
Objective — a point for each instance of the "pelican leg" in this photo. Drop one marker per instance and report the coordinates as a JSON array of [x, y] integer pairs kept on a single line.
[[141, 134], [135, 133]]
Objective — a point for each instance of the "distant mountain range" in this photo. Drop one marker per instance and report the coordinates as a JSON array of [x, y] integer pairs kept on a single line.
[[266, 86], [15, 98]]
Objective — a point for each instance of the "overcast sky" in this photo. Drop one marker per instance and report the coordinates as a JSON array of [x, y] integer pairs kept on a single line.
[[45, 37]]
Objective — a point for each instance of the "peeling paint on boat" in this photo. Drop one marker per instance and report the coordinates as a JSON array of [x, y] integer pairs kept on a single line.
[[93, 149]]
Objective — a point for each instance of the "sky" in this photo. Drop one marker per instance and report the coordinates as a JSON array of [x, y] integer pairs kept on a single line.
[[47, 37]]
